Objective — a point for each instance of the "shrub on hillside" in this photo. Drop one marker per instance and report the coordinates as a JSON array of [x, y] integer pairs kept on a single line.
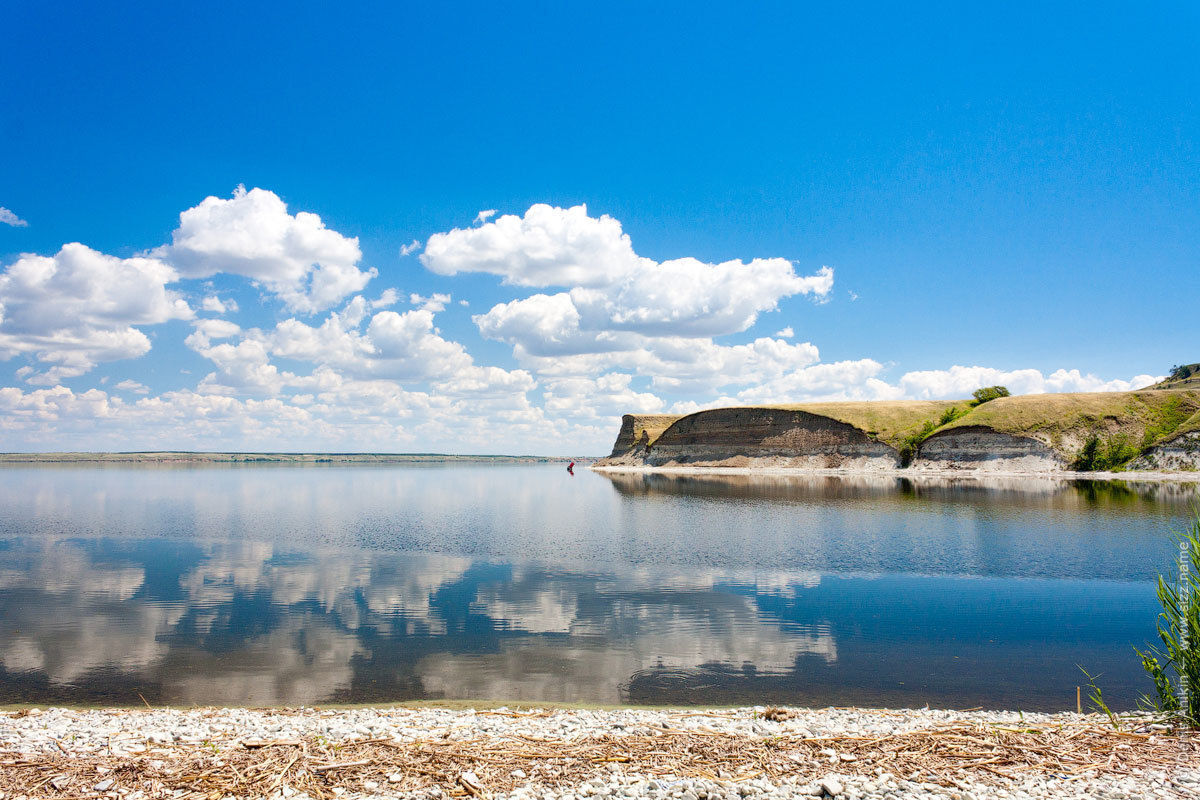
[[989, 393], [1181, 372], [1102, 455]]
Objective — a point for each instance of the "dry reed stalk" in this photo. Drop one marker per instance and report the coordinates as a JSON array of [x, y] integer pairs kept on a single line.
[[945, 755]]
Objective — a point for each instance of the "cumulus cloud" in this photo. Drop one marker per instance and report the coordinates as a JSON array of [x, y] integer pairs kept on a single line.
[[218, 306], [840, 380], [435, 302], [410, 248], [547, 247], [686, 297], [389, 297], [308, 266], [675, 364], [959, 381], [611, 286], [79, 307], [484, 216], [393, 345], [132, 386], [786, 333], [9, 218], [620, 311], [607, 396]]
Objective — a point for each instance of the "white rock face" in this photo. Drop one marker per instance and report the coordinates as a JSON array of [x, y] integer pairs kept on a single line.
[[986, 450], [1180, 454]]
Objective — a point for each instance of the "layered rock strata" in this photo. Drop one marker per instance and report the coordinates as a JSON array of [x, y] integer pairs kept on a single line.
[[1179, 454], [979, 448], [765, 437]]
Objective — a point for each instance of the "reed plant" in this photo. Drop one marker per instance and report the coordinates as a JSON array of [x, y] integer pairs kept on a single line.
[[1174, 663]]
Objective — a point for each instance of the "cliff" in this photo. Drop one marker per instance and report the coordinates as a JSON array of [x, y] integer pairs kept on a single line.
[[1146, 429]]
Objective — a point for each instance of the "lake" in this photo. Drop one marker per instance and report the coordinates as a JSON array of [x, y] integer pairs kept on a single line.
[[290, 585]]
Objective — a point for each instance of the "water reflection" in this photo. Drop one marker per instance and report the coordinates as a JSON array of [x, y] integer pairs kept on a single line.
[[302, 586]]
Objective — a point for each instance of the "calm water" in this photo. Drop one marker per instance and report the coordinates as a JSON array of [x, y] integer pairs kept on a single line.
[[307, 584]]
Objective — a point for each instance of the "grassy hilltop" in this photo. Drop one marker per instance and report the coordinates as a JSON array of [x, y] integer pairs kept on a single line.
[[1185, 376]]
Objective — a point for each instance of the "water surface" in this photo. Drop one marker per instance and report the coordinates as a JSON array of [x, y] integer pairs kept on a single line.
[[283, 584]]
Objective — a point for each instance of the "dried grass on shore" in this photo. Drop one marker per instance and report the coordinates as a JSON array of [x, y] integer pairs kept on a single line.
[[945, 755]]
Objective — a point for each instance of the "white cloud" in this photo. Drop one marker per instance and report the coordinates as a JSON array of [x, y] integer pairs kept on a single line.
[[606, 398], [217, 305], [392, 347], [215, 329], [9, 218], [786, 333], [484, 216], [435, 303], [548, 325], [389, 297], [547, 247], [133, 386], [686, 297], [841, 380], [309, 266], [620, 311], [410, 248], [78, 308], [959, 381]]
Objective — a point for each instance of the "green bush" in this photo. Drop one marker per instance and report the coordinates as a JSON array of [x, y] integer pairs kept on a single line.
[[911, 444], [989, 393], [1181, 372], [1166, 420], [1102, 455], [951, 414]]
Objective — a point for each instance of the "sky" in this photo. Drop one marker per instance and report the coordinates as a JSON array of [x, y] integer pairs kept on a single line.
[[495, 228]]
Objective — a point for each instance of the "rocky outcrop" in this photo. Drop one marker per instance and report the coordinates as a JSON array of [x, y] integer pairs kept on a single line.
[[1180, 454], [640, 429], [760, 437], [980, 448]]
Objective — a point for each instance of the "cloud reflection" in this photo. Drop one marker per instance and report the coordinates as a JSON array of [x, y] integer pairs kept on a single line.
[[250, 622]]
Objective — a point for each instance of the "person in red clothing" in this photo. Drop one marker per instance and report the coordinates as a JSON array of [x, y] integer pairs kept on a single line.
[[571, 468]]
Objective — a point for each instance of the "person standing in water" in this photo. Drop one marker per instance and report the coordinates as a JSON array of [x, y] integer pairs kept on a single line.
[[571, 468]]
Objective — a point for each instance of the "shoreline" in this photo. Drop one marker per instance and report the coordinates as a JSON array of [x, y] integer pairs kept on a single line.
[[186, 457], [903, 472], [740, 753]]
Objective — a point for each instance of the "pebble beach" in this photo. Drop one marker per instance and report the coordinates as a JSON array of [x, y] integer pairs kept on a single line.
[[759, 753]]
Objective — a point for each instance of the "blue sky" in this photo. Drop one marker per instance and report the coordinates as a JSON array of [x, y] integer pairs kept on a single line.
[[1000, 193]]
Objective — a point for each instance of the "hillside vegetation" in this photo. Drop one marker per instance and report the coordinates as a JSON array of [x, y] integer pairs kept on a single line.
[[1064, 421], [1184, 376], [890, 422]]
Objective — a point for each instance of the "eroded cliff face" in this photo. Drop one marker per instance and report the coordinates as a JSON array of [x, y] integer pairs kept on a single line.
[[1180, 454], [758, 437], [987, 450], [1024, 434], [640, 429]]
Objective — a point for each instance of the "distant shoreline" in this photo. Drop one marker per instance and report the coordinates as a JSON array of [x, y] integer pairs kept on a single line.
[[186, 457], [913, 474]]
